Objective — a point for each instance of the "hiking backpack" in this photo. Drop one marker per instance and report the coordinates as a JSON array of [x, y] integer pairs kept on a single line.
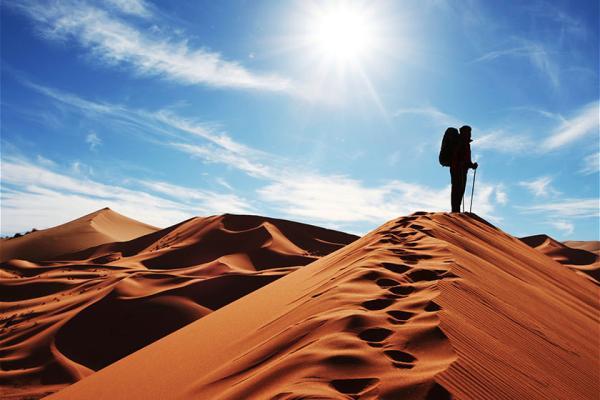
[[448, 145]]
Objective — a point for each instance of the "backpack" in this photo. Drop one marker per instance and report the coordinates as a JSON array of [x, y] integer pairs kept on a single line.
[[448, 146]]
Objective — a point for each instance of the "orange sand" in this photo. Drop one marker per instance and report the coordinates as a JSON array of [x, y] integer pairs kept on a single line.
[[582, 257], [99, 227], [425, 307], [61, 320]]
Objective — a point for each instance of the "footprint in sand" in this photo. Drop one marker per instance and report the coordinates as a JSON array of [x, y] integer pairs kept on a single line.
[[397, 268], [353, 386], [374, 336], [432, 307], [377, 304], [414, 258], [425, 275], [401, 290], [386, 283], [401, 359], [405, 234], [399, 316]]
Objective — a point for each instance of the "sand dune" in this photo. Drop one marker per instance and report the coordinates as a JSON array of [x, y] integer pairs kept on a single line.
[[425, 307], [102, 226], [61, 320], [582, 257]]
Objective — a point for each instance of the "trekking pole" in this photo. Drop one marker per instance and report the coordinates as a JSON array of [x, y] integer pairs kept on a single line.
[[473, 189], [462, 201]]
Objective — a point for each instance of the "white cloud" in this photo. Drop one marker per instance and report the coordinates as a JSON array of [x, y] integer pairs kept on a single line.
[[211, 202], [540, 187], [535, 52], [294, 191], [585, 122], [591, 164], [564, 226], [440, 118], [224, 183], [114, 41], [580, 208], [242, 162], [343, 199], [45, 161], [496, 140], [501, 196], [500, 141], [35, 196], [93, 140], [134, 7]]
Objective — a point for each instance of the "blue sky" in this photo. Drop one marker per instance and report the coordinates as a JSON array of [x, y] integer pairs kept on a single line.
[[329, 113]]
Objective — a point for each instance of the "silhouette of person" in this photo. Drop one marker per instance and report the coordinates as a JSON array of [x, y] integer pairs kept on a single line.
[[459, 166]]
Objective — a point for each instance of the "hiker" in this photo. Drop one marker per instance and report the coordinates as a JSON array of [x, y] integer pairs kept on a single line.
[[459, 166]]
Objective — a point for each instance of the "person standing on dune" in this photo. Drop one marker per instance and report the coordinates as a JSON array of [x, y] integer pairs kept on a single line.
[[459, 166]]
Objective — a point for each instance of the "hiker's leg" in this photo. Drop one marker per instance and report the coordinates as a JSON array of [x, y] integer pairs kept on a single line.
[[463, 184], [455, 196]]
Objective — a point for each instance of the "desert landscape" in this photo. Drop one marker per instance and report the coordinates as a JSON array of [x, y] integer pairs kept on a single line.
[[427, 306], [299, 200]]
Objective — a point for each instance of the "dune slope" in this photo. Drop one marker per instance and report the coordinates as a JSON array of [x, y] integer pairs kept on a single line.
[[425, 307], [581, 257], [102, 226], [61, 320]]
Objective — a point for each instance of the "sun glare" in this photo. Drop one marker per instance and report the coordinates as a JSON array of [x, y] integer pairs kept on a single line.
[[342, 33]]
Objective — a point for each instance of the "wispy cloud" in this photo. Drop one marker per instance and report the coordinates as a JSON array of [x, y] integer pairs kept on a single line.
[[580, 208], [114, 41], [501, 195], [93, 140], [35, 195], [240, 161], [540, 187], [496, 140], [501, 141], [432, 113], [535, 52], [564, 226], [585, 122], [133, 7], [591, 164], [210, 201], [288, 188]]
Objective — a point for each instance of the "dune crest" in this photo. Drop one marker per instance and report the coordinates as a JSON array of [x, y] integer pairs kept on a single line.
[[581, 257], [425, 307], [102, 226], [61, 320]]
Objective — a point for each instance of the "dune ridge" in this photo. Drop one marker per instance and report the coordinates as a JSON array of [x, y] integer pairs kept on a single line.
[[102, 226], [582, 257], [430, 306], [61, 320]]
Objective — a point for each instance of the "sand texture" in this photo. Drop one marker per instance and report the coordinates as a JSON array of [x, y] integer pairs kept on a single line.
[[582, 257], [61, 320], [102, 226], [430, 306]]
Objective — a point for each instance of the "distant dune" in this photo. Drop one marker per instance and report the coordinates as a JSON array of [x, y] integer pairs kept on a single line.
[[431, 306], [582, 257], [60, 320], [102, 226]]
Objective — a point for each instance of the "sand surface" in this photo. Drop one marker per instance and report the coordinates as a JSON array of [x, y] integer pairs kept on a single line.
[[63, 319], [102, 226], [582, 257], [425, 307]]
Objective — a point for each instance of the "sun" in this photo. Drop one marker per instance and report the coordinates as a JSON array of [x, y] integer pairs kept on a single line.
[[342, 32]]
